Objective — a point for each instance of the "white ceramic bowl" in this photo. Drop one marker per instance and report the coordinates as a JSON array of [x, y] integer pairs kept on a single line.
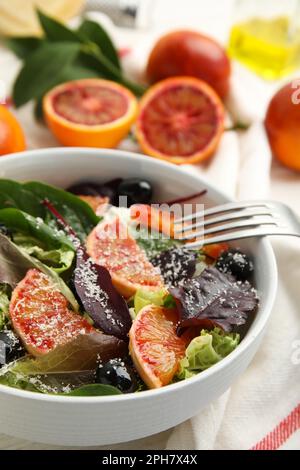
[[106, 420]]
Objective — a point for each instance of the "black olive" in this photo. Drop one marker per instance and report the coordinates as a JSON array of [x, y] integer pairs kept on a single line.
[[138, 191], [111, 190], [236, 263], [88, 188], [10, 347], [118, 373]]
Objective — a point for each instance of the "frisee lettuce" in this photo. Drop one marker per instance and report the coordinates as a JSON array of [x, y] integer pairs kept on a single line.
[[144, 297], [4, 305], [206, 350]]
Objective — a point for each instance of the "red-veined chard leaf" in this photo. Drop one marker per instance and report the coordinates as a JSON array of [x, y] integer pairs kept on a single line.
[[99, 297]]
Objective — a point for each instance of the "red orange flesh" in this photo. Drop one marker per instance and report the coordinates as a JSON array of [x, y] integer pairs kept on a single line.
[[40, 315], [154, 346]]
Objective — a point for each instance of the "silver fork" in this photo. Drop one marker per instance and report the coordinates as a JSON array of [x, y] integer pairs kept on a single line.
[[237, 220]]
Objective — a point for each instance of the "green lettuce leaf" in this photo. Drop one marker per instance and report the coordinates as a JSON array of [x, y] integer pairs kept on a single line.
[[77, 213], [60, 260], [36, 238], [206, 350], [152, 245], [34, 227], [14, 264], [94, 390], [144, 297], [69, 365], [4, 305], [28, 197]]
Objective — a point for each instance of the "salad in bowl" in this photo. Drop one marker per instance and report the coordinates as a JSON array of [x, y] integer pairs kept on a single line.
[[99, 297]]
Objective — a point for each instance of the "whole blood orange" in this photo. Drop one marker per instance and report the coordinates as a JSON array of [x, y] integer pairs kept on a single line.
[[154, 346], [90, 112], [190, 53], [180, 120], [283, 126], [111, 246], [11, 135], [40, 315]]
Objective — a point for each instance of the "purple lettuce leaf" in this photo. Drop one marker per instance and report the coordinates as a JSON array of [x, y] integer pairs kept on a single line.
[[214, 299], [99, 297]]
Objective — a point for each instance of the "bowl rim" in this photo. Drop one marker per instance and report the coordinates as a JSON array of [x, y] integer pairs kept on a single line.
[[255, 331]]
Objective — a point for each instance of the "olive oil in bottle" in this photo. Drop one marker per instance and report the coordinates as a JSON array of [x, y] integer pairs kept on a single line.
[[270, 46]]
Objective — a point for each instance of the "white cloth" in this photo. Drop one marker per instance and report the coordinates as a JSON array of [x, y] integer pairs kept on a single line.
[[270, 389]]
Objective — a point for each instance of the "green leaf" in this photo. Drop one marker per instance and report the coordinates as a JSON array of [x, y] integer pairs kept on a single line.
[[37, 239], [13, 194], [96, 33], [52, 382], [93, 57], [4, 305], [40, 70], [14, 264], [206, 350], [38, 110], [151, 245], [144, 297], [79, 354], [77, 72], [78, 214], [94, 390], [56, 31], [23, 46], [45, 236], [59, 259]]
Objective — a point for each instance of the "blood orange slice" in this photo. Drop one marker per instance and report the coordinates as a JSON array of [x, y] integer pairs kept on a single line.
[[40, 315], [154, 346], [111, 246], [180, 120], [90, 112], [152, 218]]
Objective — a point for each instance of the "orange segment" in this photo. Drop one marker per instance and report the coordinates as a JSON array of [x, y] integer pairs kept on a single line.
[[154, 346], [40, 315], [11, 134], [111, 246], [181, 120], [215, 250], [90, 112], [152, 218]]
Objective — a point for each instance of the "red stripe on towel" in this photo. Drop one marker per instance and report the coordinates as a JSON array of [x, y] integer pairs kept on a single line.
[[281, 433]]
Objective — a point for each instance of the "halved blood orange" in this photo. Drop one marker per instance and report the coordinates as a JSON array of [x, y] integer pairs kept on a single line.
[[111, 246], [40, 315], [90, 112], [154, 346], [181, 120]]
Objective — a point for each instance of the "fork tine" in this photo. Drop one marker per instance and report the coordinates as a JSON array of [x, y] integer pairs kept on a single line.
[[241, 214], [230, 206], [253, 222], [257, 232]]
